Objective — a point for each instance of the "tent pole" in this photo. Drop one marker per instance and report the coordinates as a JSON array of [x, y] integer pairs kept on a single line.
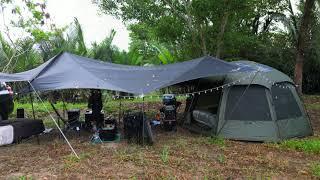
[[64, 108], [120, 104], [143, 121], [55, 122], [33, 113]]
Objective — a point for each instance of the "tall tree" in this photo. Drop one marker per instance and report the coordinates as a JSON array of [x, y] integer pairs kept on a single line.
[[304, 35]]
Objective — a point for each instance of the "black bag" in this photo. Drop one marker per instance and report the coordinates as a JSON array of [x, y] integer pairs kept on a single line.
[[136, 128]]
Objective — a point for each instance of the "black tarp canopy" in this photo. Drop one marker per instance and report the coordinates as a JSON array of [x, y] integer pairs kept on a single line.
[[69, 71]]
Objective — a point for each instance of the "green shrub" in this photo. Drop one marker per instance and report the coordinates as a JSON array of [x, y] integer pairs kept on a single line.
[[307, 145]]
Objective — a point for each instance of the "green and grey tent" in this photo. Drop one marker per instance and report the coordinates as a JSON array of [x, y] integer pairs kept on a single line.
[[263, 106]]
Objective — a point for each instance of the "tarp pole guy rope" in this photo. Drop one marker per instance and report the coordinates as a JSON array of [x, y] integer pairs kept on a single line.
[[55, 122]]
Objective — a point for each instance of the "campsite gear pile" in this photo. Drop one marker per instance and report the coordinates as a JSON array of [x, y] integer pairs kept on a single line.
[[16, 130], [73, 120], [137, 129], [89, 120], [107, 133], [168, 112]]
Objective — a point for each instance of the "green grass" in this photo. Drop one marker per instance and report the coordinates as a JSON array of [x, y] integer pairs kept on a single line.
[[71, 160], [165, 154], [217, 140], [313, 106], [41, 109], [221, 158], [110, 106], [315, 169], [25, 178], [306, 145]]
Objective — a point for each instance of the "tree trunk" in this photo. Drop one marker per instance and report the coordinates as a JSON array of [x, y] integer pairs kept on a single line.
[[223, 25], [221, 33], [203, 42], [301, 44]]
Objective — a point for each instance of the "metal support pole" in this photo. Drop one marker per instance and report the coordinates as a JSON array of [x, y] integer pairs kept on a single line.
[[120, 104], [143, 121], [64, 109], [33, 113]]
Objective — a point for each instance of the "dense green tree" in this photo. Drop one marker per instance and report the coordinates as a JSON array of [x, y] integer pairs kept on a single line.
[[104, 51], [196, 27], [265, 31]]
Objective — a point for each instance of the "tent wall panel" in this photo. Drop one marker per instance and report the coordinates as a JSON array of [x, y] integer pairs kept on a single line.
[[303, 110], [250, 130], [295, 127]]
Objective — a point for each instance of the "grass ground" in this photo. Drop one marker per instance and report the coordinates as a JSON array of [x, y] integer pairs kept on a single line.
[[180, 155]]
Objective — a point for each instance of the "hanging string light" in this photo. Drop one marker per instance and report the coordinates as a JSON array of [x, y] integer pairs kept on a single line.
[[277, 84], [189, 93], [262, 76]]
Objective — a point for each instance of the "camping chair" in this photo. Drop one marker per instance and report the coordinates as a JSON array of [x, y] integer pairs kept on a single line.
[[71, 123]]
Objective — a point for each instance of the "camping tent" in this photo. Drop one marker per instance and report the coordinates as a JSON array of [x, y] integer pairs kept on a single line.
[[264, 108]]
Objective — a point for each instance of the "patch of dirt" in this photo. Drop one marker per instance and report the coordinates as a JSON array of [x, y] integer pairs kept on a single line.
[[189, 157]]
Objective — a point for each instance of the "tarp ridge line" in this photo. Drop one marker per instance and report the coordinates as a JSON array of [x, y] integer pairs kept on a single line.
[[52, 60]]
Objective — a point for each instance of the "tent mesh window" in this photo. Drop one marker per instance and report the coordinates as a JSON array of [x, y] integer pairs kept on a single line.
[[286, 106], [247, 105], [208, 101]]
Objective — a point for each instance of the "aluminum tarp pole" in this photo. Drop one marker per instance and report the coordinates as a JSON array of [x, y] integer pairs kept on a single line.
[[55, 122], [143, 120], [119, 111], [33, 113]]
